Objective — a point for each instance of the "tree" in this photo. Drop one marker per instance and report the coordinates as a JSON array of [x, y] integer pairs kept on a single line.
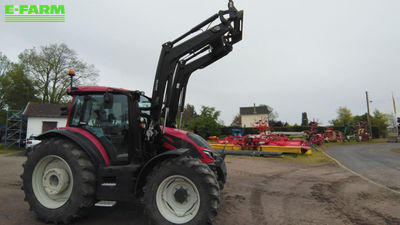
[[4, 64], [272, 115], [378, 119], [360, 118], [381, 121], [206, 124], [4, 67], [189, 113], [237, 120], [344, 117], [276, 123], [48, 66], [392, 121], [16, 89], [304, 119]]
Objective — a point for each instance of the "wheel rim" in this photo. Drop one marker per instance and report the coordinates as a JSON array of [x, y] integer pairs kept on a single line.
[[178, 199], [52, 181]]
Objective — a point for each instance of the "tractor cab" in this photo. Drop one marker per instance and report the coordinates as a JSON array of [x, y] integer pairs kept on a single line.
[[107, 113], [110, 115]]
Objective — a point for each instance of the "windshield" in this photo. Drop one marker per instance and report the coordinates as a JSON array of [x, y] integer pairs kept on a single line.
[[145, 104], [199, 140]]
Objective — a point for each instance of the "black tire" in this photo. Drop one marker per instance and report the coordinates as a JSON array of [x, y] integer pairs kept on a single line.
[[199, 174], [221, 184], [28, 151], [82, 195]]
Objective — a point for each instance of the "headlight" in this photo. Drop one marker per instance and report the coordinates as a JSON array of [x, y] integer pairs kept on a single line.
[[209, 153]]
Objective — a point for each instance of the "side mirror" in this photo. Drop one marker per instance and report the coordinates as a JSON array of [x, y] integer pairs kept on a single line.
[[64, 111], [108, 100]]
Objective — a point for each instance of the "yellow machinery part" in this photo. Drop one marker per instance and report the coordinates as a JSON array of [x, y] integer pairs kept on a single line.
[[283, 149], [227, 147]]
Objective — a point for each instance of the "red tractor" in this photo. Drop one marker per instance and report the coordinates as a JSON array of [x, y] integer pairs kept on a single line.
[[114, 147]]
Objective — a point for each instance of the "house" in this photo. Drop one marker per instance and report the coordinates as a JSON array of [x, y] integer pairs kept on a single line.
[[250, 116], [42, 117]]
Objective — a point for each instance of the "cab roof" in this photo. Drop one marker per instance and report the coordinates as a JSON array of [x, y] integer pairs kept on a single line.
[[95, 89]]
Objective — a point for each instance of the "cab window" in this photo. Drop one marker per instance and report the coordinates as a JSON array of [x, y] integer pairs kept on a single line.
[[109, 124]]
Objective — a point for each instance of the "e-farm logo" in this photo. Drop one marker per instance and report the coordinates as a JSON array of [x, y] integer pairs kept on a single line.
[[34, 13]]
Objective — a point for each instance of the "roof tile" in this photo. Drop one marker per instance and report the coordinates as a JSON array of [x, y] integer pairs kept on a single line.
[[35, 109]]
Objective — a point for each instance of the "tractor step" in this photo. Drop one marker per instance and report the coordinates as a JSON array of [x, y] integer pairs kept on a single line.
[[105, 203], [109, 184]]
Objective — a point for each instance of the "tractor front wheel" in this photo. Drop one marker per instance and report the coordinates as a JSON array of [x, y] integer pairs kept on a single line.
[[59, 181], [181, 191]]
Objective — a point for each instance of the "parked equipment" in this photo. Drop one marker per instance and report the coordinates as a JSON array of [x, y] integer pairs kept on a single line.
[[115, 149], [361, 132], [263, 141], [348, 133], [314, 137], [331, 135]]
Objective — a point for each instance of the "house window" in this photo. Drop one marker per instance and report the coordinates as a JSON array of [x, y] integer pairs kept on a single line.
[[48, 126]]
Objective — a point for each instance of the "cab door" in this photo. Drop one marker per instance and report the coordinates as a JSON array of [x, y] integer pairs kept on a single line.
[[108, 121]]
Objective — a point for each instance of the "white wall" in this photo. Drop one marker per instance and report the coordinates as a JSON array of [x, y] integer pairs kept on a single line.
[[34, 124], [250, 120]]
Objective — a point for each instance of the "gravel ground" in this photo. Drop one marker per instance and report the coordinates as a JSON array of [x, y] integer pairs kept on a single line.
[[258, 191]]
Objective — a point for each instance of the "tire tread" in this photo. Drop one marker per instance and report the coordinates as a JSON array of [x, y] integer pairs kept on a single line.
[[85, 175], [201, 170]]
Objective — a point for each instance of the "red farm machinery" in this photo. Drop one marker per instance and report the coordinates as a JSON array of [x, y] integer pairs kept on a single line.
[[115, 148], [361, 132], [264, 141], [313, 136], [331, 135]]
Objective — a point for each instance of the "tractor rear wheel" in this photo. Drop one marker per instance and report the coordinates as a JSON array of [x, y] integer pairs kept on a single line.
[[182, 190], [59, 181]]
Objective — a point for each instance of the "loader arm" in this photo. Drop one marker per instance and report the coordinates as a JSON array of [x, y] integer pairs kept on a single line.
[[182, 75], [217, 39]]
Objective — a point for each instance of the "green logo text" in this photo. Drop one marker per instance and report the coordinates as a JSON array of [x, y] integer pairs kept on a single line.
[[34, 13]]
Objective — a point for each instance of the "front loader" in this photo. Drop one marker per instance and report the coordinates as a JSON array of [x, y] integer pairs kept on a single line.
[[115, 148]]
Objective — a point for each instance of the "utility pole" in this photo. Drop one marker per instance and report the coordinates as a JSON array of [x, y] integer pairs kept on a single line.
[[368, 115], [395, 116]]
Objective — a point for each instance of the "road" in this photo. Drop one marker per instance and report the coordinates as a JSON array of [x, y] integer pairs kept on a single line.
[[374, 161]]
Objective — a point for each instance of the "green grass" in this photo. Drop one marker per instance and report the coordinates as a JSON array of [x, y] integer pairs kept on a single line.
[[317, 157], [396, 150], [9, 150]]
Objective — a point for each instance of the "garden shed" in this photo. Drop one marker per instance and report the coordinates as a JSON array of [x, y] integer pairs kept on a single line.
[[41, 117]]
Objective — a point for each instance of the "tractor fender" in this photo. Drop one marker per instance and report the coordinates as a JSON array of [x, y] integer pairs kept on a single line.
[[87, 145], [149, 166]]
